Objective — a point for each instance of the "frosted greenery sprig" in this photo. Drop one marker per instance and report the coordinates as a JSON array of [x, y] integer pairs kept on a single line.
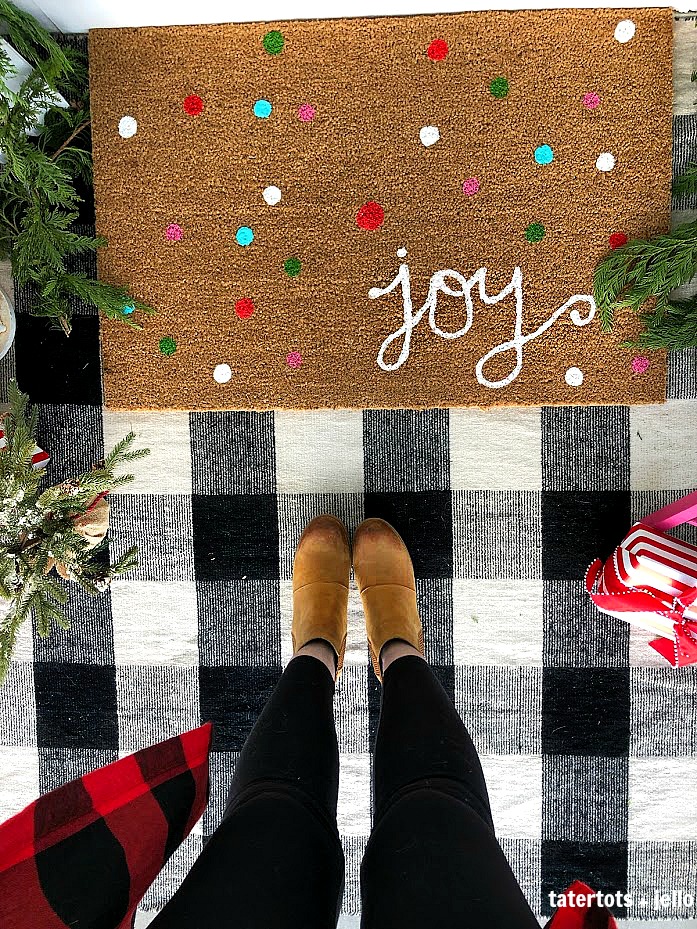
[[39, 529]]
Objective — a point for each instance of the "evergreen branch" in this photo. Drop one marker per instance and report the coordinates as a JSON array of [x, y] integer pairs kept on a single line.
[[34, 43], [687, 182]]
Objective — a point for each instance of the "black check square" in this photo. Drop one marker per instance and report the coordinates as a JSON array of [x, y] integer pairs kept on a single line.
[[585, 448], [239, 622], [576, 634], [584, 798], [601, 865], [424, 521], [406, 450], [235, 536], [232, 453], [578, 527], [53, 368], [76, 706], [233, 697], [585, 711]]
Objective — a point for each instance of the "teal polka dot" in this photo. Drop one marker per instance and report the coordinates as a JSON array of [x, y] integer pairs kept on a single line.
[[262, 109], [128, 309], [544, 155], [244, 236]]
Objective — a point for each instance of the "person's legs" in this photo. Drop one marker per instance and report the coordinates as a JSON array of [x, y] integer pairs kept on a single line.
[[432, 859], [275, 861]]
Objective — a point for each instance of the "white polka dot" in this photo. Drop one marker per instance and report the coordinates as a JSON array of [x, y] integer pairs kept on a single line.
[[605, 162], [429, 135], [401, 253], [272, 195], [222, 373], [574, 377], [128, 126], [625, 30]]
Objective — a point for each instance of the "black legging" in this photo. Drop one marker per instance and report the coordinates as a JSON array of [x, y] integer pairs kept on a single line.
[[276, 861]]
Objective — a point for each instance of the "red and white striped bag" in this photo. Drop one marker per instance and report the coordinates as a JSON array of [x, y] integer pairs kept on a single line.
[[651, 580]]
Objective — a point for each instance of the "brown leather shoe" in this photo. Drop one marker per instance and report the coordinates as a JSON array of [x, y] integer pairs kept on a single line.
[[321, 572], [385, 577]]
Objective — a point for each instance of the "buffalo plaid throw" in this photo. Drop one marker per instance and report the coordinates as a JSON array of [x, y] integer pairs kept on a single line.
[[84, 854]]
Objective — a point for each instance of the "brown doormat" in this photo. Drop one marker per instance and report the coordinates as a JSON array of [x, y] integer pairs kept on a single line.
[[391, 212]]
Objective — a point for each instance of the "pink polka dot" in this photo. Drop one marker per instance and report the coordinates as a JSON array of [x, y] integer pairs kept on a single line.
[[471, 186], [640, 364], [173, 232], [294, 359], [306, 112], [590, 100]]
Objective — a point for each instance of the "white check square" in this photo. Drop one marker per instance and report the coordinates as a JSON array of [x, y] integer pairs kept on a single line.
[[497, 449], [319, 451], [497, 623], [662, 436], [514, 783], [660, 808], [167, 469], [155, 622]]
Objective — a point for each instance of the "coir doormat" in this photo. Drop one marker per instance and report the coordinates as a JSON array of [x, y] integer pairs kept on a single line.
[[391, 212]]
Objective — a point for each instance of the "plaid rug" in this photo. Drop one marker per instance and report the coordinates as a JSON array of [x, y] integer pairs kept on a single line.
[[587, 738]]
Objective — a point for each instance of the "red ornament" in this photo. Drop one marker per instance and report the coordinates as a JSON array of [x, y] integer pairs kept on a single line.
[[370, 216], [193, 105], [437, 50], [244, 308], [618, 239]]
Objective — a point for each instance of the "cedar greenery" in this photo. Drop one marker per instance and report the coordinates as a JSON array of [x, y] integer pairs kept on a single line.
[[38, 529], [644, 270], [38, 197]]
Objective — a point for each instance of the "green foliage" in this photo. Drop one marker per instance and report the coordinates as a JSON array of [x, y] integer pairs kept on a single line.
[[645, 270], [38, 529], [38, 196]]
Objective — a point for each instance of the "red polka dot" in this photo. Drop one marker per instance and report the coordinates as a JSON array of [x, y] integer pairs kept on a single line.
[[193, 105], [244, 308], [617, 240], [370, 216], [437, 50]]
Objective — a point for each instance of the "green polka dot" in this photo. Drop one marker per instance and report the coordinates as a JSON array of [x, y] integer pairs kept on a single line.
[[535, 232], [499, 87], [167, 345], [273, 42], [292, 267]]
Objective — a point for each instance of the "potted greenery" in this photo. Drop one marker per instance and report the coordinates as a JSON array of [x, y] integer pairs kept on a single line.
[[44, 168]]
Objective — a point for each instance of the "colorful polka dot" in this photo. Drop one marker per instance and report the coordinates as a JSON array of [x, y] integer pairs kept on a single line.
[[574, 377], [128, 126], [273, 42], [294, 359], [471, 186], [244, 308], [292, 266], [370, 216], [625, 31], [193, 105], [590, 100], [618, 239], [640, 364], [174, 232], [262, 109], [429, 135], [499, 87], [244, 236], [605, 162], [128, 309], [437, 50], [222, 373], [544, 155], [306, 113], [535, 232], [167, 345], [272, 195]]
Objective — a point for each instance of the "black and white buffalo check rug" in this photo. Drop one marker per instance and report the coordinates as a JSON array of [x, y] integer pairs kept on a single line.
[[588, 740]]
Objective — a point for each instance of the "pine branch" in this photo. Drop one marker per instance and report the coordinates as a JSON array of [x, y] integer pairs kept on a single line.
[[687, 183]]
